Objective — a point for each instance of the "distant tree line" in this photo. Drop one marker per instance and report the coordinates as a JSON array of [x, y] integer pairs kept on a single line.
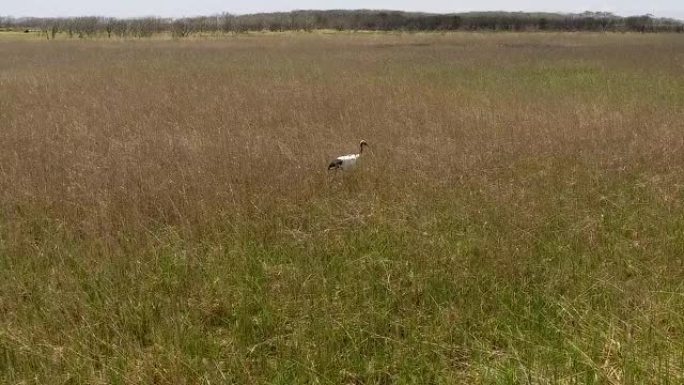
[[340, 20]]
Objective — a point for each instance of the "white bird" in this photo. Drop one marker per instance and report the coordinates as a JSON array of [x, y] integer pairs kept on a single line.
[[346, 162]]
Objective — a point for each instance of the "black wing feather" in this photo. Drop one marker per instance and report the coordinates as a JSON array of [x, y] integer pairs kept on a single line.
[[337, 163]]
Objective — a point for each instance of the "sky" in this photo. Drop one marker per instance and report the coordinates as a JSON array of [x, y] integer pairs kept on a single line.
[[180, 8]]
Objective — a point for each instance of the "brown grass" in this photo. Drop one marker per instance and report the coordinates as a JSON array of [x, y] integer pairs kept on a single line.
[[167, 216]]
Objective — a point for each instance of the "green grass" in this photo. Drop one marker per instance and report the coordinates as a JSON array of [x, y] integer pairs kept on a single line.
[[20, 36], [166, 215]]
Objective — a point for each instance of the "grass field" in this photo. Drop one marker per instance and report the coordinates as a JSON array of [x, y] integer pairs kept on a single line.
[[166, 215]]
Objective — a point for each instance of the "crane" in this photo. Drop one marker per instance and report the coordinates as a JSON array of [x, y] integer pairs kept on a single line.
[[346, 162]]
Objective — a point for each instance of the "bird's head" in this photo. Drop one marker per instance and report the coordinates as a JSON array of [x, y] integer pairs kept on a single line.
[[363, 144]]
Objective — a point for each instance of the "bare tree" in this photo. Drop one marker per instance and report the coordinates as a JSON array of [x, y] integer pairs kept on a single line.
[[181, 28]]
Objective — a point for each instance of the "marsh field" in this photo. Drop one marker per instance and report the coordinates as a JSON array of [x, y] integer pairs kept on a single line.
[[166, 215]]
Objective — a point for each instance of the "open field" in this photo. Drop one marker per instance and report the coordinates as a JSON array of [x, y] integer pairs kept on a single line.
[[166, 215]]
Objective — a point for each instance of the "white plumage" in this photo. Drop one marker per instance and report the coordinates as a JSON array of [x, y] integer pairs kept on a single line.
[[346, 162]]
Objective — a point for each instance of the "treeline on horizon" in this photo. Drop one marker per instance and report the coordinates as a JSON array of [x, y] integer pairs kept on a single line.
[[341, 20]]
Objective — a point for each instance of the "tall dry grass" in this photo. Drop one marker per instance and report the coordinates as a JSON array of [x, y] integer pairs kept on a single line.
[[167, 216]]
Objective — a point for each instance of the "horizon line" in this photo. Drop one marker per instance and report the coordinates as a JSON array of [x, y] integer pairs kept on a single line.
[[215, 14]]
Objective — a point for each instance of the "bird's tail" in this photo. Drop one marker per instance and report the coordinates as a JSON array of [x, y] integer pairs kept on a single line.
[[335, 164]]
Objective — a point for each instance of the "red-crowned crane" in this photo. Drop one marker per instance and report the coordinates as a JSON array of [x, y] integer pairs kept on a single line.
[[346, 162]]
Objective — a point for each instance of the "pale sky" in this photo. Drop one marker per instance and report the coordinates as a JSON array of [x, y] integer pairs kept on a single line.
[[179, 8]]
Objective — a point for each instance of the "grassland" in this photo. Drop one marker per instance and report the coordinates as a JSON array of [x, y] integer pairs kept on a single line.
[[166, 215]]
